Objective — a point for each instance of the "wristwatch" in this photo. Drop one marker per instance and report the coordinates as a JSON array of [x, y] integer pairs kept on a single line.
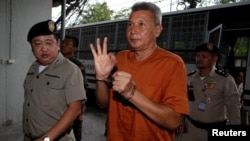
[[46, 138]]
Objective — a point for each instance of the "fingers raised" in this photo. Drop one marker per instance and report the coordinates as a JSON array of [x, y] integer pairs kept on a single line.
[[98, 46], [92, 48], [104, 50], [99, 50]]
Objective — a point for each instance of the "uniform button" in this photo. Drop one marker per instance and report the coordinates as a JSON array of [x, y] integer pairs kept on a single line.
[[28, 104], [37, 76], [47, 83], [27, 120], [31, 90]]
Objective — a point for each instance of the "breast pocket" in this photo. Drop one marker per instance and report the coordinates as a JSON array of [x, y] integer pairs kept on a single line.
[[54, 84], [53, 91]]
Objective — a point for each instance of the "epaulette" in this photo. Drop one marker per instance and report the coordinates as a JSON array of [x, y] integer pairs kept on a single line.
[[222, 72], [82, 68], [192, 72]]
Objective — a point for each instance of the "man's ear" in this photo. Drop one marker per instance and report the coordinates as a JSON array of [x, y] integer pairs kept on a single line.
[[159, 28], [58, 42]]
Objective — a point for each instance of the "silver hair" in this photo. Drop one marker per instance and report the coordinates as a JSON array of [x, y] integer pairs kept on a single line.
[[151, 7]]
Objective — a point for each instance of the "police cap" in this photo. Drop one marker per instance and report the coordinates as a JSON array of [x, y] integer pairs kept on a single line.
[[210, 47], [47, 27]]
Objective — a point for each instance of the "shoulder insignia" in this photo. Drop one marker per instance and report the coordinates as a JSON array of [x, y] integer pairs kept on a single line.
[[222, 72], [192, 72], [82, 68]]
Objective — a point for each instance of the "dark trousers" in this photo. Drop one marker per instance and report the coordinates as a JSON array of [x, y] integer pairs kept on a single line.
[[77, 128]]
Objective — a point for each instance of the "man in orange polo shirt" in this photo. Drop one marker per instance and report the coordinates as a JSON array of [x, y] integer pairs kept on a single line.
[[146, 95]]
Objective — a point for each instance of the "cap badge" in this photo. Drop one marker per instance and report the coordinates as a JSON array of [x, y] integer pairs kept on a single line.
[[51, 26], [210, 46]]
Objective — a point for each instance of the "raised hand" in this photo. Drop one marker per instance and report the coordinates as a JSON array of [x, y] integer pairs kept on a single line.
[[104, 62]]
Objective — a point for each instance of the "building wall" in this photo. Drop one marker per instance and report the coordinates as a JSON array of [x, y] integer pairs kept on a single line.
[[17, 16]]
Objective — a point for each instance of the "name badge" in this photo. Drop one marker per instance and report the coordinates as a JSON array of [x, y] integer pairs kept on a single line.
[[209, 85], [202, 105]]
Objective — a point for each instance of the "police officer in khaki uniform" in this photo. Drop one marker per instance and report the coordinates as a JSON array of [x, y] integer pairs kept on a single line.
[[213, 96], [53, 97]]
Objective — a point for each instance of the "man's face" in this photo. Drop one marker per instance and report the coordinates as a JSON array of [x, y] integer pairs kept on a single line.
[[141, 30], [67, 46], [205, 59], [45, 48], [239, 78]]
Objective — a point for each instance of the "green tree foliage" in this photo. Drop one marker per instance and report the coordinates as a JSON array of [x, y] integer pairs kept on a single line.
[[95, 13], [123, 13], [241, 46], [82, 12]]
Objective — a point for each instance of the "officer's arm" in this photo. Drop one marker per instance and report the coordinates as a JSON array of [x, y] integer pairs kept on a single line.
[[66, 120]]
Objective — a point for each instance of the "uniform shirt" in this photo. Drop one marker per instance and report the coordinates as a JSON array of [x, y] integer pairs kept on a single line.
[[215, 92], [162, 78], [48, 93]]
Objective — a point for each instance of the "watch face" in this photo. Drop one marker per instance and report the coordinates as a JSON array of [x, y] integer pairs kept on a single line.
[[46, 139]]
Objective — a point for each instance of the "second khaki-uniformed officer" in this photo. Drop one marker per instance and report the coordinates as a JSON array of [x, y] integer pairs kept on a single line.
[[213, 96], [53, 88], [68, 48]]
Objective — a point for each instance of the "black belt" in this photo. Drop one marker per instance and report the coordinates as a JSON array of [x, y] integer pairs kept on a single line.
[[34, 138], [30, 137], [206, 126]]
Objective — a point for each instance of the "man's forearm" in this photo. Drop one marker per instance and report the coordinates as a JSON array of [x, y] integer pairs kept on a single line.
[[102, 94]]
